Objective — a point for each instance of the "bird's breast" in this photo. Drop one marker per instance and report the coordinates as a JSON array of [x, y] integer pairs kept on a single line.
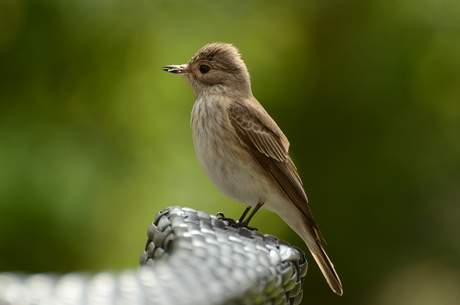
[[228, 164]]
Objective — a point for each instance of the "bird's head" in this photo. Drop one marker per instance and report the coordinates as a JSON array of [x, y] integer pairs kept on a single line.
[[217, 68]]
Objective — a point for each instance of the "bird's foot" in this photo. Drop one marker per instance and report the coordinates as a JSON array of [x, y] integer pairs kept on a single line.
[[244, 224], [235, 224], [231, 221]]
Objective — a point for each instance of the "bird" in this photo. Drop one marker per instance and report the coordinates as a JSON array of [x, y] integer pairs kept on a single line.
[[243, 151]]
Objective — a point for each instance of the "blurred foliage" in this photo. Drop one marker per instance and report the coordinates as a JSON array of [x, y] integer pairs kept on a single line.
[[94, 137]]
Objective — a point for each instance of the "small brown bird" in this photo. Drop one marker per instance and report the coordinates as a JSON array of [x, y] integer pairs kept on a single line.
[[242, 149]]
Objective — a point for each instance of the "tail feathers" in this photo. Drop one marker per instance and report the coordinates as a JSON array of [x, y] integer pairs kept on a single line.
[[326, 266], [308, 230]]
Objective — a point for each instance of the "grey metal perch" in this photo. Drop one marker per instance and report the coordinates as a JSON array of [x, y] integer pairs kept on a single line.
[[190, 257]]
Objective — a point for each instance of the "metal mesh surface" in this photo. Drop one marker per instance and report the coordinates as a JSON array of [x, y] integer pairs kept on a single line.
[[190, 257]]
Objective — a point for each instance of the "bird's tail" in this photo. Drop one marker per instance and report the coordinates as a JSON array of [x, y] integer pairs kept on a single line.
[[311, 236], [326, 266]]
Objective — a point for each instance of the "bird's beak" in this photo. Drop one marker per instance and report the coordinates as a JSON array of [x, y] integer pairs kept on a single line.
[[176, 69]]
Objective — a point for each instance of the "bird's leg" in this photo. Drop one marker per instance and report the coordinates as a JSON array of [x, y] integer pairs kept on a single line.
[[245, 223], [232, 222], [240, 220], [241, 223]]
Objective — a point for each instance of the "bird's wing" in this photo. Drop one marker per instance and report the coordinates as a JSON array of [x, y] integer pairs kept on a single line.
[[258, 132], [261, 135]]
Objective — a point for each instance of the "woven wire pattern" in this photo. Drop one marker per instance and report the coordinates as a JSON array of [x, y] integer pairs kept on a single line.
[[190, 257]]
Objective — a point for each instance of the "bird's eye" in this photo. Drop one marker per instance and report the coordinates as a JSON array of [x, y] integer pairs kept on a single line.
[[204, 69]]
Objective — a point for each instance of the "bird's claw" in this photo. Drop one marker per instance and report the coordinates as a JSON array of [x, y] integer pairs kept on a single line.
[[235, 224]]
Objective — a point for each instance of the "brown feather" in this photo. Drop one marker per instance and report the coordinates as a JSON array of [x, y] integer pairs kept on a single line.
[[267, 147]]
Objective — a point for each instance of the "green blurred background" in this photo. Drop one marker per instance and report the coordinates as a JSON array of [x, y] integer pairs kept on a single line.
[[95, 137]]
